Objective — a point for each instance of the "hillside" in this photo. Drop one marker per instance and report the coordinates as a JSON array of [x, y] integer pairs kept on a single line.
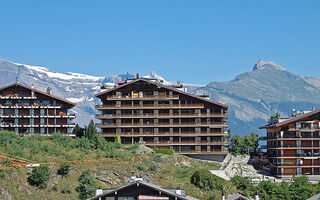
[[168, 171]]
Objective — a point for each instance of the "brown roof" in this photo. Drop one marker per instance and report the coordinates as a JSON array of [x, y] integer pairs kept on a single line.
[[38, 91], [160, 85], [293, 119]]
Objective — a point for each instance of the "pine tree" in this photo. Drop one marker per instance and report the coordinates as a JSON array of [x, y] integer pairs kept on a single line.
[[87, 185], [91, 131]]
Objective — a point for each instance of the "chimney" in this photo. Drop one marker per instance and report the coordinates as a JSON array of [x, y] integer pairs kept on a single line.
[[137, 76], [313, 108]]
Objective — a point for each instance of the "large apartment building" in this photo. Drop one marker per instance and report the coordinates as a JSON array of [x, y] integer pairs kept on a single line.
[[25, 110], [293, 143], [145, 111]]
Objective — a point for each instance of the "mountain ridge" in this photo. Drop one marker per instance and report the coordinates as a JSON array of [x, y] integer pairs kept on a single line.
[[251, 96]]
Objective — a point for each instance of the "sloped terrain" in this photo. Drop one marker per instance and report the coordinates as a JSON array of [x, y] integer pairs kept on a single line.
[[164, 170]]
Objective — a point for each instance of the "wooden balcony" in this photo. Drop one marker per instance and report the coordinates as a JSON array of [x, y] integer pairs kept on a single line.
[[130, 134], [201, 152], [153, 143], [68, 116], [15, 125], [30, 106], [17, 97], [176, 124], [144, 97], [160, 115], [302, 147], [148, 106]]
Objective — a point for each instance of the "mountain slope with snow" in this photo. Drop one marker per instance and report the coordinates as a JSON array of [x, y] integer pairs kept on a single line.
[[251, 96]]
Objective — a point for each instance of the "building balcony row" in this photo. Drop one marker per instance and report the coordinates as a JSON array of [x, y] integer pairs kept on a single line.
[[161, 115], [30, 106], [292, 147], [295, 165], [305, 155], [193, 143], [148, 106], [181, 124], [312, 137], [140, 97], [131, 134], [17, 97], [36, 125], [68, 116], [202, 152]]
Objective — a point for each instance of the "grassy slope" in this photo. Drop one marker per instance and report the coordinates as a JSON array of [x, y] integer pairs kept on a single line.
[[167, 171]]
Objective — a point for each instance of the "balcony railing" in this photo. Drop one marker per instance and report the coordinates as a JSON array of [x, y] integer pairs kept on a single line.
[[144, 97], [200, 152], [29, 105], [296, 155], [164, 124], [165, 133], [292, 146], [17, 97], [149, 106], [186, 142], [37, 116], [160, 115]]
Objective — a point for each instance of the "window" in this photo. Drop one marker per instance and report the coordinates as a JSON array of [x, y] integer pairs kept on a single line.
[[45, 102], [126, 198]]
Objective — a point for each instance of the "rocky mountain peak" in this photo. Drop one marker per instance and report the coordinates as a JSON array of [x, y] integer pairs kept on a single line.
[[261, 65]]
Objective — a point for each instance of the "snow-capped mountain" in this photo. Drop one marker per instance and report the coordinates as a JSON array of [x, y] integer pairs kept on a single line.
[[75, 87], [260, 65], [252, 96]]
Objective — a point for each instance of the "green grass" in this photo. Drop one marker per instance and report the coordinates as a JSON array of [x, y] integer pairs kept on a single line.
[[164, 170]]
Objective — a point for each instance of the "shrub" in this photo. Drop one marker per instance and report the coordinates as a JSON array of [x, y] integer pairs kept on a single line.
[[243, 184], [164, 151], [117, 139], [87, 185], [153, 167], [141, 167], [204, 180], [66, 190], [39, 177], [63, 170]]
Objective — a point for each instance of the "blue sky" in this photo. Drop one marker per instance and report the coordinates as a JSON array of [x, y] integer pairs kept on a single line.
[[192, 41]]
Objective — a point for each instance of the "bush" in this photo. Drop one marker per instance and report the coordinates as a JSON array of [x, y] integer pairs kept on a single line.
[[117, 139], [165, 151], [141, 167], [243, 184], [204, 180], [87, 185], [39, 177], [63, 170], [153, 167], [66, 190]]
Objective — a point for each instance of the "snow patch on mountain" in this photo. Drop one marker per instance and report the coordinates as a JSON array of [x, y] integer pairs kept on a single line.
[[260, 65], [153, 75], [66, 75]]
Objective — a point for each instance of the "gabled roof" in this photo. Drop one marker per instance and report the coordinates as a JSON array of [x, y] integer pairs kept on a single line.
[[149, 185], [315, 197], [38, 91], [290, 120], [163, 86]]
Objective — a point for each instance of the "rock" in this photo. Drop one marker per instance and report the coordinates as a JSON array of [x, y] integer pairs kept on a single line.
[[5, 194]]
